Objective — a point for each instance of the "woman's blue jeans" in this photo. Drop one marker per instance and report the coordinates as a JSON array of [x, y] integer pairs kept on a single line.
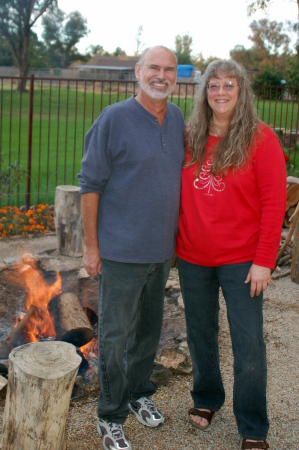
[[131, 300], [200, 289]]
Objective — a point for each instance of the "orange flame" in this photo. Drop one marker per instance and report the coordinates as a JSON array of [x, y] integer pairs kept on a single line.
[[90, 349], [39, 293]]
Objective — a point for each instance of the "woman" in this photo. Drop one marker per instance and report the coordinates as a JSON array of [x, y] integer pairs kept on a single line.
[[232, 207]]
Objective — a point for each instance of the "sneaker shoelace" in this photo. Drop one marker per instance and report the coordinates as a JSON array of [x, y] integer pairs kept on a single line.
[[116, 430], [150, 405]]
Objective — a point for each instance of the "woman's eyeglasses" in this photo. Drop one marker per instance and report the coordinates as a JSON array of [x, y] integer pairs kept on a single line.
[[227, 87]]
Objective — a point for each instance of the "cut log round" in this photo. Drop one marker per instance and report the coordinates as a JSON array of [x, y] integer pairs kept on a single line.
[[41, 376], [70, 321], [68, 220], [295, 258], [293, 194]]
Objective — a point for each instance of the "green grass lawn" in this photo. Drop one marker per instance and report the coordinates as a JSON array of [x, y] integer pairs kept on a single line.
[[61, 117]]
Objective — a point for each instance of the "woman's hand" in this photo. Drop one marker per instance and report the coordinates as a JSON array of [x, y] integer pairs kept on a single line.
[[260, 278]]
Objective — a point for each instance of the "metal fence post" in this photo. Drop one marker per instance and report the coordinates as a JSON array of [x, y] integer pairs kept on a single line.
[[29, 142]]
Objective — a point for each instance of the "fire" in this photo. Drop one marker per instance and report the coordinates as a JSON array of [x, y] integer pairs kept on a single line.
[[90, 350], [39, 293]]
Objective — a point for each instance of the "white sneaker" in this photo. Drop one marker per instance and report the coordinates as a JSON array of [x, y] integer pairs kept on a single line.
[[113, 436], [146, 412]]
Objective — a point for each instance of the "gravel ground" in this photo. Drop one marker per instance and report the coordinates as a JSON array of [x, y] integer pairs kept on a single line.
[[281, 311]]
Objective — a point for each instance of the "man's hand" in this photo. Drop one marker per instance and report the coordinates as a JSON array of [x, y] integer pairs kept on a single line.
[[260, 278], [92, 260], [91, 253]]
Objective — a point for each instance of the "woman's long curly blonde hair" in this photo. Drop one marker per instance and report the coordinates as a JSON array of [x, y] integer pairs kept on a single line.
[[233, 150]]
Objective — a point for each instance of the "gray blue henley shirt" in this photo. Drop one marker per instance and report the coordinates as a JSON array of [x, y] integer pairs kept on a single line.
[[135, 165]]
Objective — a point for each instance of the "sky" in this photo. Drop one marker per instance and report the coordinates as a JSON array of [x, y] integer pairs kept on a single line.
[[216, 26]]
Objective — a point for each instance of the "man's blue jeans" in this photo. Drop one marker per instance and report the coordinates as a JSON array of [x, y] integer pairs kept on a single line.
[[131, 300], [200, 290]]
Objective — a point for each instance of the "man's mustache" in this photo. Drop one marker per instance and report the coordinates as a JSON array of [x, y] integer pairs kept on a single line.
[[156, 80]]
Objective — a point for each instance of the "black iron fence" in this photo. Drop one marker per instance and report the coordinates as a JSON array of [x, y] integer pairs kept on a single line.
[[42, 129]]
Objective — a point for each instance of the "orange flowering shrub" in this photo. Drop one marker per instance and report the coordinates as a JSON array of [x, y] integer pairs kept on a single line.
[[38, 219]]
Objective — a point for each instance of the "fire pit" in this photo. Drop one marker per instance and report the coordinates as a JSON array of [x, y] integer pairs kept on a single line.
[[39, 309]]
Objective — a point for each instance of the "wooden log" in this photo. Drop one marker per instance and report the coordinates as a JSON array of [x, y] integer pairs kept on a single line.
[[70, 321], [291, 179], [286, 222], [293, 194], [293, 221], [290, 211], [40, 381], [68, 221], [281, 275], [18, 335], [288, 215], [3, 387], [295, 256], [284, 259]]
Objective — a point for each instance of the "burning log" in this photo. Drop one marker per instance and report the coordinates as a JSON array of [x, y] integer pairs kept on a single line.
[[68, 222], [19, 335], [70, 321], [40, 382]]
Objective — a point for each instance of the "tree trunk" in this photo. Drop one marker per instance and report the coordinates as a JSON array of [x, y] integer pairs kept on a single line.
[[70, 321], [295, 257], [68, 221], [41, 376]]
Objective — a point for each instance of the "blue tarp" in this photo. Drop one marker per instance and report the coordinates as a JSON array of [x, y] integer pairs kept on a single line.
[[185, 70]]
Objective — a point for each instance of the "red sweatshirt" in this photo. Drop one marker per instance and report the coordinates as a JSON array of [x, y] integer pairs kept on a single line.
[[236, 218]]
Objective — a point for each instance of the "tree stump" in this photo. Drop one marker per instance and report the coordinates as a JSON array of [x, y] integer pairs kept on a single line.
[[41, 376], [295, 256], [68, 220]]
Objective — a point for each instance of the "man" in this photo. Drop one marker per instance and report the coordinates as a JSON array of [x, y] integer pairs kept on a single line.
[[130, 186]]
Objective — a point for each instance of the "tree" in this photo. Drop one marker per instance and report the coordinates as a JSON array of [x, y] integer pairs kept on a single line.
[[6, 56], [118, 51], [37, 52], [17, 17], [293, 71], [96, 50], [262, 5], [248, 58], [201, 64], [183, 48], [139, 45], [61, 34], [270, 44], [269, 76], [268, 37]]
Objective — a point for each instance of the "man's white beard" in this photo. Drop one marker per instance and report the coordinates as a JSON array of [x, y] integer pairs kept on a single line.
[[154, 93]]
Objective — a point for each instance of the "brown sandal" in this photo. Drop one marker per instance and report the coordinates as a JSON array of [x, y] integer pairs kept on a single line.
[[203, 414], [258, 444]]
